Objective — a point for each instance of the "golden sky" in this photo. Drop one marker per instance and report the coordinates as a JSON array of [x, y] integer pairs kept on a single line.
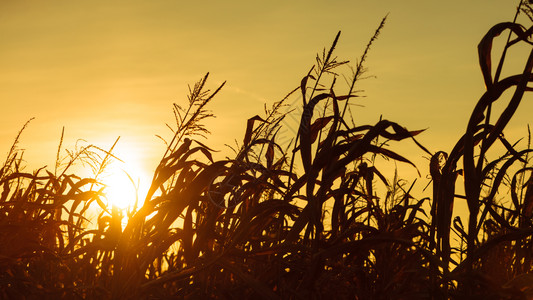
[[104, 69]]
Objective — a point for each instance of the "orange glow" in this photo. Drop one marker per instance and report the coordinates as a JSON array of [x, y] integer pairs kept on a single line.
[[125, 183]]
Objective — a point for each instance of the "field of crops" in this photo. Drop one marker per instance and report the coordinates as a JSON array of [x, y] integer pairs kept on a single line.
[[312, 217]]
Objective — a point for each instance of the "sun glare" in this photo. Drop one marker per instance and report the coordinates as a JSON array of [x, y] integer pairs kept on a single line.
[[125, 184]]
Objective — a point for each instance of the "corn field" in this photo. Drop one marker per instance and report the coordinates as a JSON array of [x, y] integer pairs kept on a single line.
[[312, 218]]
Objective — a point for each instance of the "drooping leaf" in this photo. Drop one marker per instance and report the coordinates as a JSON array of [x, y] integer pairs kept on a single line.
[[250, 129], [485, 48]]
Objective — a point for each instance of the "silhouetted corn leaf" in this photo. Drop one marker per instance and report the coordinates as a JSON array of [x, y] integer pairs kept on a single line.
[[485, 47]]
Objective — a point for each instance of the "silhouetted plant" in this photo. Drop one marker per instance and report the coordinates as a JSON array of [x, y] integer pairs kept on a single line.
[[313, 217]]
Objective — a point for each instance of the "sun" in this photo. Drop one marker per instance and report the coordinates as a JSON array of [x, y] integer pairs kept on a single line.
[[120, 191], [124, 185]]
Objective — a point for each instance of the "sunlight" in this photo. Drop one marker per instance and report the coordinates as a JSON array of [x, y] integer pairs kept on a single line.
[[125, 183], [121, 191]]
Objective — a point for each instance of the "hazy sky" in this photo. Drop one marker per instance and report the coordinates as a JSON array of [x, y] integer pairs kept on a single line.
[[104, 69]]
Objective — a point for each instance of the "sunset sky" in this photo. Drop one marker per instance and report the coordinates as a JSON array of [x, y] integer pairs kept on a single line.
[[104, 69]]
